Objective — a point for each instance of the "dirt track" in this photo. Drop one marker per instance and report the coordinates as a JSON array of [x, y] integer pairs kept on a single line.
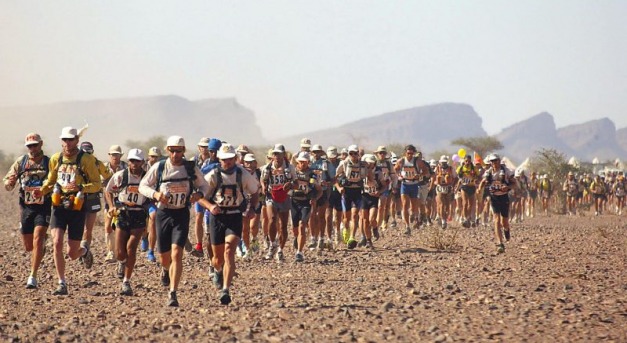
[[561, 279]]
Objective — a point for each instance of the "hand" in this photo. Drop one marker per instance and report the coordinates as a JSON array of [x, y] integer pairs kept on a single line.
[[12, 180], [287, 186], [160, 197], [37, 193], [111, 211], [215, 210], [249, 213], [195, 197]]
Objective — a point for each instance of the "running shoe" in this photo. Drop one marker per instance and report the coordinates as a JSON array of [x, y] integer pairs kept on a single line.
[[321, 243], [119, 271], [110, 258], [500, 249], [151, 256], [345, 235], [218, 279], [407, 230], [88, 258], [144, 244], [31, 283], [197, 251], [299, 257], [225, 297], [362, 242], [172, 301], [188, 246], [279, 256], [165, 278], [270, 254], [369, 245], [312, 245], [352, 243], [61, 289], [507, 235], [393, 224], [126, 289], [330, 244], [375, 233], [254, 245]]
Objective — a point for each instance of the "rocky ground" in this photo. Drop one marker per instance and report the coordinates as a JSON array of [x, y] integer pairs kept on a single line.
[[561, 279]]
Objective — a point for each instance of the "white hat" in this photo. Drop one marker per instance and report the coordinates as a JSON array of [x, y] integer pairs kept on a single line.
[[369, 158], [203, 142], [332, 152], [493, 157], [68, 132], [353, 148], [154, 151], [443, 159], [226, 151], [135, 154], [279, 148], [344, 151], [115, 149], [381, 148], [242, 148], [250, 158], [305, 143], [303, 156], [175, 141], [433, 163], [32, 138], [317, 147]]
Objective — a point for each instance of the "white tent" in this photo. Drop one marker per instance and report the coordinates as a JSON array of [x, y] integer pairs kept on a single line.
[[595, 160], [574, 162], [508, 163], [525, 165]]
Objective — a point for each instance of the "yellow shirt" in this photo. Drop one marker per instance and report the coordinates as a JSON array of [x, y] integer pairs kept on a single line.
[[64, 172]]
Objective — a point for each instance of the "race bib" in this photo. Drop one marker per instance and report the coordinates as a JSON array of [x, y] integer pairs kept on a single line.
[[178, 195], [29, 196], [408, 173]]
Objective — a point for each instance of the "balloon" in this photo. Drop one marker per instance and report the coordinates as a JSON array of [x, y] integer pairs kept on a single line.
[[455, 158], [461, 152]]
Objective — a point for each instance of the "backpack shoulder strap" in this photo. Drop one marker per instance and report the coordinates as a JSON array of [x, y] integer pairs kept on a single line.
[[160, 169], [124, 179]]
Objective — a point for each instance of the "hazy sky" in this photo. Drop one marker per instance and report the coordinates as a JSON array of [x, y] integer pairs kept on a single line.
[[303, 65]]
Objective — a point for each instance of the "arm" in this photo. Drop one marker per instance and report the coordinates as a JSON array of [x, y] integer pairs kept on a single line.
[[10, 180]]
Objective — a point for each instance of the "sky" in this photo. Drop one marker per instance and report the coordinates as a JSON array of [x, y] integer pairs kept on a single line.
[[308, 65]]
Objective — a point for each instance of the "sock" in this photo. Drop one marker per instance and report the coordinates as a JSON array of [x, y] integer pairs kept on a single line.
[[126, 280], [33, 273], [61, 281]]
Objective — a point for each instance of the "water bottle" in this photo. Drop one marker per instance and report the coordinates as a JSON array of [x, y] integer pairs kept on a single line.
[[79, 199], [56, 195], [160, 205]]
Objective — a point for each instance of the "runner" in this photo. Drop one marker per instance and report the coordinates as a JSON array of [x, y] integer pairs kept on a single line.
[[92, 203], [387, 170], [351, 173], [534, 184], [546, 191], [127, 204], [468, 176], [318, 223], [375, 183], [114, 165], [250, 226], [154, 156], [620, 190], [228, 185], [276, 181], [411, 170], [334, 210], [444, 181], [174, 184], [201, 159], [28, 173], [597, 187], [72, 173], [571, 188], [499, 181], [306, 191]]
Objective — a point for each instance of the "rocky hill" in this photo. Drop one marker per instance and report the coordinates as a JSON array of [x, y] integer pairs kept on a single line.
[[621, 138], [428, 127], [114, 121], [595, 138]]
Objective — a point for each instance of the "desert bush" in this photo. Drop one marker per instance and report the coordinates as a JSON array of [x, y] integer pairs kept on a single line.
[[440, 239]]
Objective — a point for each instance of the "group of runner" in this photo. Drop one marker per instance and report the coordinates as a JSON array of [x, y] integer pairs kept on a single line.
[[333, 199]]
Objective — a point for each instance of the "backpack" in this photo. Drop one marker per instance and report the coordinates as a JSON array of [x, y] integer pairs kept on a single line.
[[22, 170], [78, 165], [220, 181], [189, 169]]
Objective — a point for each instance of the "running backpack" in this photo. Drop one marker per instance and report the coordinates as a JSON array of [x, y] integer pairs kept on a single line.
[[189, 169], [79, 167], [220, 181]]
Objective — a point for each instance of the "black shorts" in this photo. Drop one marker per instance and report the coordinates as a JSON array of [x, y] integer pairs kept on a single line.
[[301, 211], [172, 227], [599, 196], [335, 200], [92, 203], [324, 199], [368, 202], [33, 216], [500, 205], [469, 190], [533, 194], [72, 221], [223, 225], [131, 220], [352, 198]]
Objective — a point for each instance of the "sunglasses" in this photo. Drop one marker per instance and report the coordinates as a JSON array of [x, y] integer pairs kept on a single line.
[[32, 145], [176, 151], [352, 153], [67, 139]]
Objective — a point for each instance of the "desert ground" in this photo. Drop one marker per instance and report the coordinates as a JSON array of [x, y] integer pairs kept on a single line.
[[561, 279]]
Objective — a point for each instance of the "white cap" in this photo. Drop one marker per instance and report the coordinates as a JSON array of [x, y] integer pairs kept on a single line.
[[115, 149], [369, 158], [154, 151], [305, 143], [68, 132], [226, 151], [433, 163], [203, 142], [175, 141], [250, 158], [332, 152], [493, 157], [279, 148], [443, 159], [32, 138], [381, 148], [353, 148], [303, 156], [135, 154], [317, 147]]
